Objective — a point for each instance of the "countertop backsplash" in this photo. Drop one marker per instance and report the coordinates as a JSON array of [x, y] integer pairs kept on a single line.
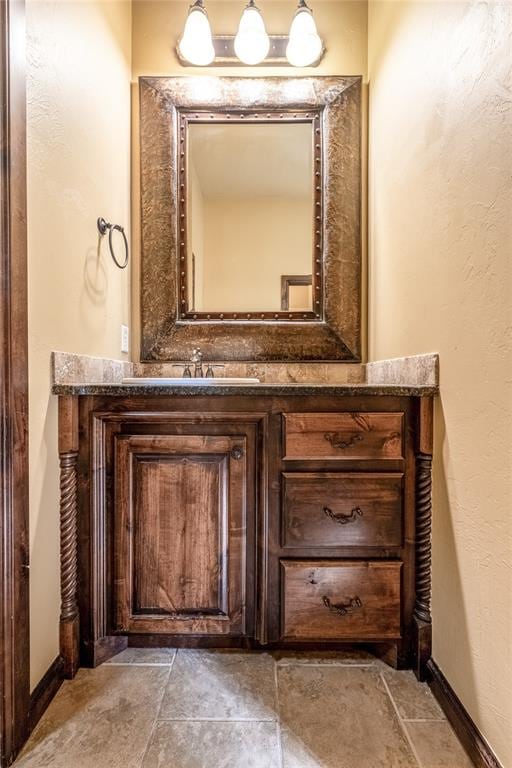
[[412, 371]]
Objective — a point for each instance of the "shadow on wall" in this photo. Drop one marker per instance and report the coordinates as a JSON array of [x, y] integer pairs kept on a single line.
[[448, 595], [95, 275], [387, 29], [112, 16]]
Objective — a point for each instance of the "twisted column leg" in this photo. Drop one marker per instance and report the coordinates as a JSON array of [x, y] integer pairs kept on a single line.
[[421, 613], [423, 537], [69, 562]]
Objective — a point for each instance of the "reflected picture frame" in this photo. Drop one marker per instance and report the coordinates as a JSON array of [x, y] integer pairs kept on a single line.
[[289, 281]]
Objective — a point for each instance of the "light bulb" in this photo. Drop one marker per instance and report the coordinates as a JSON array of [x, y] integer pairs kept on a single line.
[[304, 45], [196, 44], [251, 42]]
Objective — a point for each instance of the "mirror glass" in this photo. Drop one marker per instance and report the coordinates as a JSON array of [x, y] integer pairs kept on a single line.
[[250, 217]]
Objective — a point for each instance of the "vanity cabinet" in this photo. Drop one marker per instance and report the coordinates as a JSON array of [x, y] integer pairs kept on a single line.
[[267, 520]]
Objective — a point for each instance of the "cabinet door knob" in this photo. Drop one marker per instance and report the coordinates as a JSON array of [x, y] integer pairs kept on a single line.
[[237, 452], [341, 609], [344, 517]]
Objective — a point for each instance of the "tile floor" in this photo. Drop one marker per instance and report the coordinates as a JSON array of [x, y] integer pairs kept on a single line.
[[227, 709]]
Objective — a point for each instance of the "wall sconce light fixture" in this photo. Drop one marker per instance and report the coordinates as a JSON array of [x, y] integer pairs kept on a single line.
[[304, 44], [303, 47], [252, 43], [196, 45]]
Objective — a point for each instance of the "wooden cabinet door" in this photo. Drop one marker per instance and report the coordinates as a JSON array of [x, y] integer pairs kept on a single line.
[[179, 534]]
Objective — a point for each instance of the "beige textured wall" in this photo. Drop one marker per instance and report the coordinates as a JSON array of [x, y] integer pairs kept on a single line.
[[441, 280], [79, 67], [157, 25], [249, 245]]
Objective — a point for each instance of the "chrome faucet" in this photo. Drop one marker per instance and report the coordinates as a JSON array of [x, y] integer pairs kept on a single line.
[[197, 359]]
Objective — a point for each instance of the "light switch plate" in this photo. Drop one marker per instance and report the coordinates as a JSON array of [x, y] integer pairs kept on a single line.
[[125, 338]]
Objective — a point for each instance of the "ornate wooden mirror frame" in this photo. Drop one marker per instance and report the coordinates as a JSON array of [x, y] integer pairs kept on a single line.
[[331, 331]]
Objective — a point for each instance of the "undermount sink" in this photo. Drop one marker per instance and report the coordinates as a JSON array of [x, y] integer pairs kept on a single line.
[[188, 382]]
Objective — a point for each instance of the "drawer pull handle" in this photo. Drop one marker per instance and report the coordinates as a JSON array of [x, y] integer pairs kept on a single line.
[[337, 440], [343, 518], [237, 453], [341, 609]]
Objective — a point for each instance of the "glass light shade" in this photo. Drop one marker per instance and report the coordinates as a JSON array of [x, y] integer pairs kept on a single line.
[[196, 44], [251, 42], [304, 44]]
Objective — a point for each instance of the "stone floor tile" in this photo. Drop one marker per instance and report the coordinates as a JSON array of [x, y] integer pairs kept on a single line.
[[437, 746], [101, 718], [413, 700], [189, 744], [220, 685], [339, 717], [144, 656]]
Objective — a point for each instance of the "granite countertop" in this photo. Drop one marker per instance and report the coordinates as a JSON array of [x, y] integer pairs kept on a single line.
[[127, 390], [82, 375]]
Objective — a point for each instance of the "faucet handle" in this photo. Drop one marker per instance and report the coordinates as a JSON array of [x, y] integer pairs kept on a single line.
[[209, 370], [187, 373]]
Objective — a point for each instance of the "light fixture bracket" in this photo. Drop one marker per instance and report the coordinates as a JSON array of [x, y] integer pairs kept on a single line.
[[225, 56]]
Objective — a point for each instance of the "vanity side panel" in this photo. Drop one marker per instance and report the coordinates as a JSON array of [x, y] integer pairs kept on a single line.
[[97, 643]]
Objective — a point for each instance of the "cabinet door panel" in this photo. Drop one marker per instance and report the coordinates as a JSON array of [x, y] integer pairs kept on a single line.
[[179, 531], [180, 534]]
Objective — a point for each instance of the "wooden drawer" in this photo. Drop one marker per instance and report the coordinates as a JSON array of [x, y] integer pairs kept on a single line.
[[340, 600], [343, 509], [343, 436]]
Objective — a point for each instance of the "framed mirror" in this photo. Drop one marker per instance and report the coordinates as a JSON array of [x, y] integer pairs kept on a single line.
[[251, 211]]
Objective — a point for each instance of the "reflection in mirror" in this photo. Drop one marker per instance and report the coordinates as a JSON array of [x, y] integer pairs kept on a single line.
[[296, 292], [250, 216]]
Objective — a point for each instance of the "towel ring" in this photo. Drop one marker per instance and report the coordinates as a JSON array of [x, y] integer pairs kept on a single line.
[[103, 226]]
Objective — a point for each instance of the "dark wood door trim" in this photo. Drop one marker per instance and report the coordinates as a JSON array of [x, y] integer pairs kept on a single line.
[[14, 594]]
